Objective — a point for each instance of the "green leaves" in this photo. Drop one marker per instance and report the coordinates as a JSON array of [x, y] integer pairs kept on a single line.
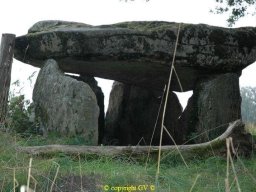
[[236, 9], [18, 115]]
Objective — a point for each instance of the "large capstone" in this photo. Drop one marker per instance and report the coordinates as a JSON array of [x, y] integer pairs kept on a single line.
[[139, 53], [132, 116], [65, 105], [215, 102]]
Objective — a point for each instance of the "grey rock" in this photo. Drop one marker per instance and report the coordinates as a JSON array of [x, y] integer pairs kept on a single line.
[[187, 121], [215, 103], [53, 24], [65, 105], [139, 53], [243, 141], [132, 115], [100, 100], [114, 114]]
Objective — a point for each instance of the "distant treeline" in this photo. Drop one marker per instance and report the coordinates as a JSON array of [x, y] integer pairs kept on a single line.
[[248, 107]]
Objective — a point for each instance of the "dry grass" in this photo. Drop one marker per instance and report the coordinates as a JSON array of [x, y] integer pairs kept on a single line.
[[251, 128]]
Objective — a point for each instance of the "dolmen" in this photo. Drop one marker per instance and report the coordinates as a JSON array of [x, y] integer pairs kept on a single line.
[[138, 57]]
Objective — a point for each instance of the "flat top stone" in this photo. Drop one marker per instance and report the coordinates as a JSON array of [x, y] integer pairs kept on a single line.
[[54, 24], [139, 53]]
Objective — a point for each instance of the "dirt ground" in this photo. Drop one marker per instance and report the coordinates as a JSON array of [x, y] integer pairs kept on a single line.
[[74, 183]]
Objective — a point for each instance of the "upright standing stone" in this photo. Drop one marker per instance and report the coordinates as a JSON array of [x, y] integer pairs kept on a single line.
[[187, 121], [132, 115], [100, 100], [65, 105], [114, 114], [216, 102]]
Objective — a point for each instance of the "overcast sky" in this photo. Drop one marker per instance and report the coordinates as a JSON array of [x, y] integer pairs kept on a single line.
[[16, 16]]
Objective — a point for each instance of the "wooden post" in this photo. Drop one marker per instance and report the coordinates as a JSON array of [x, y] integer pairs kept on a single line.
[[6, 57]]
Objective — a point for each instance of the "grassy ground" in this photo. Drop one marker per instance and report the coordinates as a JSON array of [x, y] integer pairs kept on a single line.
[[60, 172]]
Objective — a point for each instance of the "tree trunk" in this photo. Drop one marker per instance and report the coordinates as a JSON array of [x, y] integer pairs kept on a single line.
[[241, 142], [6, 57]]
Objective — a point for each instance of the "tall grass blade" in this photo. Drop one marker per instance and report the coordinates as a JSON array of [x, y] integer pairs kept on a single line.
[[165, 103], [191, 189]]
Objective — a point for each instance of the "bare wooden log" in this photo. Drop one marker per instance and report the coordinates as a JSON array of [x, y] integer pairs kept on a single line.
[[6, 57], [235, 130]]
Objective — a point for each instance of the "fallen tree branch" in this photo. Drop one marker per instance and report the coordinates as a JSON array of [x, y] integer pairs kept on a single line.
[[234, 130]]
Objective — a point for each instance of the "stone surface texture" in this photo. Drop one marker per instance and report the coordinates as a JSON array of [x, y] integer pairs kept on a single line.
[[132, 115], [139, 53], [138, 56], [65, 105], [91, 81], [215, 103]]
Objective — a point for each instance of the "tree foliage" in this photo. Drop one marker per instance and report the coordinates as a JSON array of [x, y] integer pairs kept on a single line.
[[17, 119], [235, 8], [248, 107], [19, 113]]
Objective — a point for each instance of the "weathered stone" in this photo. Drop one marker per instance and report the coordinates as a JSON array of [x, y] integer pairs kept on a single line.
[[114, 114], [215, 102], [139, 53], [65, 105], [208, 61], [100, 100], [54, 24], [132, 115], [186, 123]]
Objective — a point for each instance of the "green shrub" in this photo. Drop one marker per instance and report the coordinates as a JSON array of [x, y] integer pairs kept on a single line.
[[18, 116]]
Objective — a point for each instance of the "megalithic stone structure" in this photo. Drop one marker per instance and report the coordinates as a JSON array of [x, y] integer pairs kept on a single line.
[[65, 105], [209, 61], [139, 53]]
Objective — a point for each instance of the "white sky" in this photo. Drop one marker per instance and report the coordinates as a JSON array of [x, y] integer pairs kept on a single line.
[[16, 16]]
